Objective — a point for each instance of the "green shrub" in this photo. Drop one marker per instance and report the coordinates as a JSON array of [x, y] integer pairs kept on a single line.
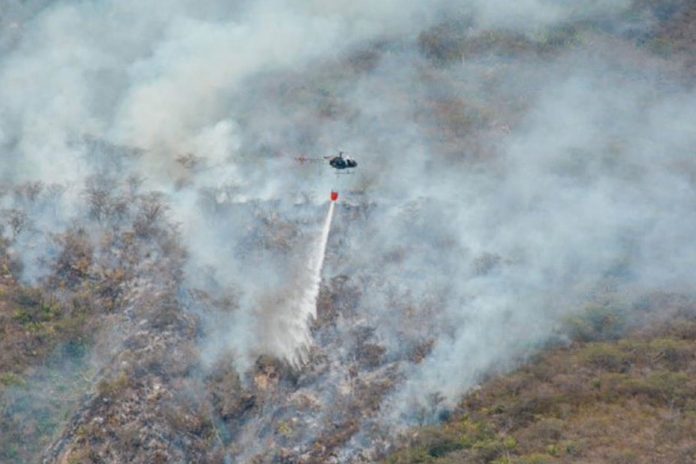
[[34, 308], [597, 323], [659, 388], [537, 458], [674, 354], [112, 388], [605, 356], [10, 379]]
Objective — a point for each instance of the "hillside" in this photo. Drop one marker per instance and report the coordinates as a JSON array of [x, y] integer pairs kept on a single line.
[[630, 398]]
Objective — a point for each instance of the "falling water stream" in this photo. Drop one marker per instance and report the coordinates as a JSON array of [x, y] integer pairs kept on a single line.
[[307, 307]]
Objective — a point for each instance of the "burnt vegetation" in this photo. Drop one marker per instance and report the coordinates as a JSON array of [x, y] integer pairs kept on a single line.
[[84, 290]]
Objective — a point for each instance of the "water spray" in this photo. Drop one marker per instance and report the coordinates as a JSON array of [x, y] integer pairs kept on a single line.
[[307, 308]]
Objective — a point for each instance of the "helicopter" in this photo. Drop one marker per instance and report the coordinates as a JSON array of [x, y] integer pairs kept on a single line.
[[339, 162]]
